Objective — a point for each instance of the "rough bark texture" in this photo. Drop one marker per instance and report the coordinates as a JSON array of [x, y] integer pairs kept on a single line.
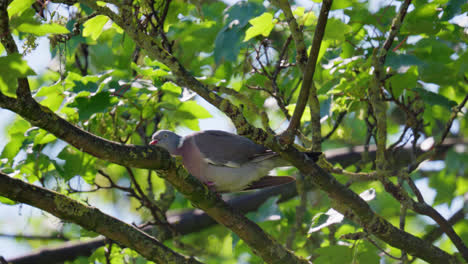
[[90, 218]]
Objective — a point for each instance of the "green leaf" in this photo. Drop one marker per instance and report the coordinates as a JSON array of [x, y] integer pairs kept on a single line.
[[336, 30], [195, 109], [347, 50], [165, 105], [303, 18], [438, 73], [333, 254], [432, 49], [13, 146], [229, 40], [94, 26], [7, 201], [453, 8], [322, 51], [53, 101], [42, 29], [46, 90], [322, 220], [88, 233], [341, 4], [43, 137], [398, 61], [261, 25], [445, 184], [87, 106], [407, 80], [12, 67], [332, 216], [18, 6], [422, 20], [227, 43], [432, 98], [366, 252], [268, 211], [72, 164], [190, 123], [305, 116], [170, 87]]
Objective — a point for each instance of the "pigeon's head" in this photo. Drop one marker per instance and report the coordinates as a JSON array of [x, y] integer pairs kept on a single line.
[[166, 139]]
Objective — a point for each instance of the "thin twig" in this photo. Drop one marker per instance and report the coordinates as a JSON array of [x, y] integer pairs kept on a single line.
[[36, 237], [288, 136], [381, 249], [335, 126], [296, 33]]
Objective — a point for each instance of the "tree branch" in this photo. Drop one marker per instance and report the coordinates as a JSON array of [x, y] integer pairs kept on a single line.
[[307, 83], [90, 218], [264, 245], [375, 97], [190, 221], [296, 33], [148, 157]]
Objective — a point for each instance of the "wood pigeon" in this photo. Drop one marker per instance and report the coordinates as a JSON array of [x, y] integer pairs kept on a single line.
[[225, 162]]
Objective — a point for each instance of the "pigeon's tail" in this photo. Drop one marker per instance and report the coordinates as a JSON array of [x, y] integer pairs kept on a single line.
[[270, 181], [313, 155]]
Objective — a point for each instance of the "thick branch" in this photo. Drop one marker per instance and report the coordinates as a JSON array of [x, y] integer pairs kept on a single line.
[[435, 233], [125, 155], [264, 245], [184, 222], [90, 218], [370, 221], [445, 225], [190, 221], [150, 158], [307, 83]]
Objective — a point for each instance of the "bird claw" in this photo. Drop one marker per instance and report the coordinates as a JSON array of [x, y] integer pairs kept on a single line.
[[211, 185]]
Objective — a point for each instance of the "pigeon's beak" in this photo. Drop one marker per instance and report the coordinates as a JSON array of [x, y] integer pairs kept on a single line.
[[154, 142]]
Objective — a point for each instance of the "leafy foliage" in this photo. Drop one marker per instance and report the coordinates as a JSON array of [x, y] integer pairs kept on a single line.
[[110, 85]]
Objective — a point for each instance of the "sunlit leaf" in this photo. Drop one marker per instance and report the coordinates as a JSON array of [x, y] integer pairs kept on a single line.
[[341, 4], [332, 216], [170, 87], [12, 67], [93, 27], [305, 116], [195, 109], [261, 25], [336, 30], [4, 200], [87, 106], [42, 29], [18, 6], [228, 40], [323, 220], [13, 146]]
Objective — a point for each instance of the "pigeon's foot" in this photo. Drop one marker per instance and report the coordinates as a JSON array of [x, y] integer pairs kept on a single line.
[[211, 185]]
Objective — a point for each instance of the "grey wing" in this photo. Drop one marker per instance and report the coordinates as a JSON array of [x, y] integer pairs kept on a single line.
[[226, 149]]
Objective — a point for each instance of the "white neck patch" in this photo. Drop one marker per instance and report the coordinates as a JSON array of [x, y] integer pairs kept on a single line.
[[181, 142]]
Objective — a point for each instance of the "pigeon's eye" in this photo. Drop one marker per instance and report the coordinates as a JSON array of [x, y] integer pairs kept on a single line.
[[165, 135]]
